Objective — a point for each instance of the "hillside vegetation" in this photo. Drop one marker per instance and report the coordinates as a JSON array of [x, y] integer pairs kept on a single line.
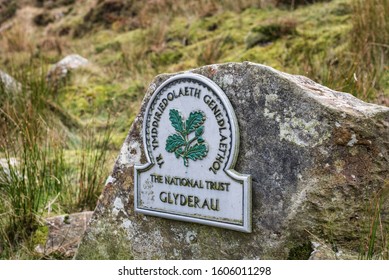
[[64, 138]]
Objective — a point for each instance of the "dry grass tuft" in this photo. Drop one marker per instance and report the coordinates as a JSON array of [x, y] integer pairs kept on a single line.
[[370, 45]]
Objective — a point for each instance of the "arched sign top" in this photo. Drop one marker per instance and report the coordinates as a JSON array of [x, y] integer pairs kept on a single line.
[[191, 137]]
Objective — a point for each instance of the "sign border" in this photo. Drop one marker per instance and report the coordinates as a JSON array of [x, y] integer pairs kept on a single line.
[[245, 179]]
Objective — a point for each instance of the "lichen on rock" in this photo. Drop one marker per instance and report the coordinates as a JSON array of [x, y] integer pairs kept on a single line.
[[317, 157]]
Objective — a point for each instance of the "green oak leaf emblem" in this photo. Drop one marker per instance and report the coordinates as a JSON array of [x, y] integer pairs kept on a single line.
[[180, 143]]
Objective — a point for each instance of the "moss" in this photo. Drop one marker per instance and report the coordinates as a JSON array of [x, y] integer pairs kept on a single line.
[[318, 38], [384, 81], [178, 31], [204, 28], [300, 251], [266, 55], [270, 32], [165, 58], [115, 46], [211, 51], [88, 100], [130, 36], [106, 244], [40, 236], [66, 219], [342, 9]]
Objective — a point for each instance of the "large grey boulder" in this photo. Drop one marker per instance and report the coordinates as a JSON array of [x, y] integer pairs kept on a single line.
[[317, 158]]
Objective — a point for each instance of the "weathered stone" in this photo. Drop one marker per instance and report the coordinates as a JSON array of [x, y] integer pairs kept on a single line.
[[63, 235], [60, 70], [9, 83], [317, 157], [6, 165], [323, 251]]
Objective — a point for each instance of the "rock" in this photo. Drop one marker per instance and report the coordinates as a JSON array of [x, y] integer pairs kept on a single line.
[[60, 70], [9, 83], [5, 165], [317, 157], [64, 234], [323, 251]]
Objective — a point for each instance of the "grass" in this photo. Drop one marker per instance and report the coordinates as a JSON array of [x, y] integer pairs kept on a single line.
[[87, 177], [374, 245], [33, 169], [370, 37], [37, 176], [27, 185]]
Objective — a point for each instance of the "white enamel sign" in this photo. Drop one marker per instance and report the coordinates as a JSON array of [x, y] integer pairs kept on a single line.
[[191, 138]]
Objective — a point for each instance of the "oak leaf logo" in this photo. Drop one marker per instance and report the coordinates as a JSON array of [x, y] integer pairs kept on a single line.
[[180, 143]]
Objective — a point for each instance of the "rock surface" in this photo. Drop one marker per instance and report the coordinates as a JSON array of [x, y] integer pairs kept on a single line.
[[317, 157], [60, 70], [9, 83], [6, 165], [64, 234]]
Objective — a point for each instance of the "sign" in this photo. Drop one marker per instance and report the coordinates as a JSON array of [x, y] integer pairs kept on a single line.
[[191, 138]]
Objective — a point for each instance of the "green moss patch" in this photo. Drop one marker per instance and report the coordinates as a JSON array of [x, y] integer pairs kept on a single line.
[[40, 236], [300, 251]]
